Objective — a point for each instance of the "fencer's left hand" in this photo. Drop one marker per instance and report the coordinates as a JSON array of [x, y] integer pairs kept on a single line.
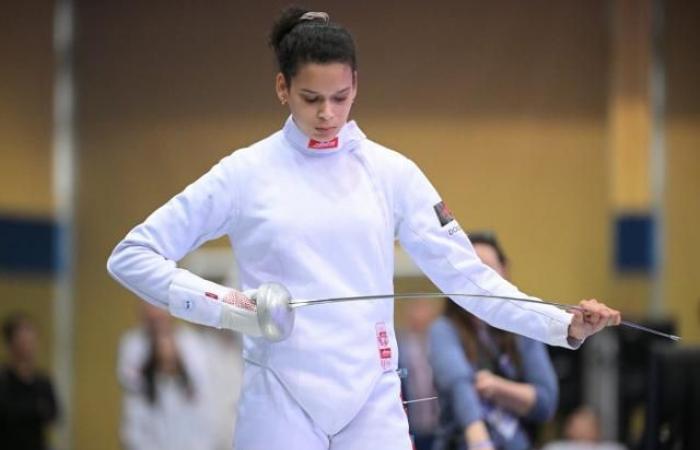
[[590, 317]]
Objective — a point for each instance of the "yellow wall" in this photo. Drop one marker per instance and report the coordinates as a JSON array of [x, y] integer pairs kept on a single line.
[[25, 108], [25, 152], [682, 275], [682, 197]]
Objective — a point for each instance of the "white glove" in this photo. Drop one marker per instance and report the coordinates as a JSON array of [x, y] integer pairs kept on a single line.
[[201, 301], [237, 307]]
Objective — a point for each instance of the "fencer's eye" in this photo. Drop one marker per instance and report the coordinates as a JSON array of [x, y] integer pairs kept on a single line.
[[339, 99], [310, 99]]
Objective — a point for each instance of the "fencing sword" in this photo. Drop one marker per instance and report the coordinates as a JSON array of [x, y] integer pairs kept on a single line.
[[276, 307]]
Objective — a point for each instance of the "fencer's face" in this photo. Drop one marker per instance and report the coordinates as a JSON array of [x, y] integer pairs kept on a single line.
[[320, 98]]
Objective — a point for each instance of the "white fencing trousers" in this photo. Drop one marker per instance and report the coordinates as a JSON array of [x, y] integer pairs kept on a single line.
[[270, 419]]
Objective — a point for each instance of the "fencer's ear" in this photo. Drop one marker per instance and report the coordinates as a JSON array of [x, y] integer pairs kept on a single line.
[[281, 88]]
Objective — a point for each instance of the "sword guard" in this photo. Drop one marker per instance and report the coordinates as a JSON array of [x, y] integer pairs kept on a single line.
[[275, 314]]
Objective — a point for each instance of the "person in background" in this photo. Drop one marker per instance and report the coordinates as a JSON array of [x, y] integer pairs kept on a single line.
[[490, 382], [28, 404], [213, 355], [582, 432], [418, 380], [225, 375], [134, 344], [165, 407]]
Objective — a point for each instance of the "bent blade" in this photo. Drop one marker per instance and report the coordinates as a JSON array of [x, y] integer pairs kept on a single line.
[[409, 295]]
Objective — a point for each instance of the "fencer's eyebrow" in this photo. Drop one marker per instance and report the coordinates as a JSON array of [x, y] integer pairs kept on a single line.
[[340, 92]]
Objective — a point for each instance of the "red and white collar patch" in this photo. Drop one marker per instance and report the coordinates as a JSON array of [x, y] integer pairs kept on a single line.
[[323, 145]]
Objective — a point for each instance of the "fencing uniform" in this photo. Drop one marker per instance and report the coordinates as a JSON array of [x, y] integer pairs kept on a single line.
[[323, 221]]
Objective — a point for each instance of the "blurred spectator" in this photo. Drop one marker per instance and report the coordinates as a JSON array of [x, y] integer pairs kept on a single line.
[[135, 344], [582, 425], [213, 355], [491, 383], [418, 382], [582, 432], [162, 369], [225, 369], [27, 401]]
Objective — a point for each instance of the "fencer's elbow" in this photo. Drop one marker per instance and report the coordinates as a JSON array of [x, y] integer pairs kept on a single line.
[[112, 267], [114, 264]]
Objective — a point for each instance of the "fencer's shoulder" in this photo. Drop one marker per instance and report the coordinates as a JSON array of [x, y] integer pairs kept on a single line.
[[379, 152], [386, 157], [254, 154]]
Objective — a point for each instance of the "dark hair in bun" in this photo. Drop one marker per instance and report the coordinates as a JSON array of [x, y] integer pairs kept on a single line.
[[299, 38]]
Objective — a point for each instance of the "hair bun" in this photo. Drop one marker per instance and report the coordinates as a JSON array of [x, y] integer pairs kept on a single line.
[[289, 18], [300, 36], [316, 15]]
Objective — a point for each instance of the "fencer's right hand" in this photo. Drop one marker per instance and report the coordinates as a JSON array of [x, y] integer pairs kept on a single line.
[[243, 300], [251, 294], [239, 312], [201, 301]]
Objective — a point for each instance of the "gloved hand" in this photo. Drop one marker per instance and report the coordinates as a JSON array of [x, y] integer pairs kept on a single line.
[[200, 301], [236, 312]]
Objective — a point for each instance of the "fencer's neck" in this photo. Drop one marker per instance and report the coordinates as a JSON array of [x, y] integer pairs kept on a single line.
[[346, 140]]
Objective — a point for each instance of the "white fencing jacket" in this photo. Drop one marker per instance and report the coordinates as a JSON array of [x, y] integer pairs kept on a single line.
[[323, 222]]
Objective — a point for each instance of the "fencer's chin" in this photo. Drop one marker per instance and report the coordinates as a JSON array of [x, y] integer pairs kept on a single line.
[[325, 135]]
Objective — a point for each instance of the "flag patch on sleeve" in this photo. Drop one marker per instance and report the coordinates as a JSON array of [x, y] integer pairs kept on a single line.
[[444, 214]]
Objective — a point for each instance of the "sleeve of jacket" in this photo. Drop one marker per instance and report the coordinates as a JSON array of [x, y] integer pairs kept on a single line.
[[145, 260], [437, 244]]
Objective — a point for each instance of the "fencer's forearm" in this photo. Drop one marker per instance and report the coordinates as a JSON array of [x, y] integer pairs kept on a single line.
[[142, 270], [187, 296], [544, 323], [515, 397]]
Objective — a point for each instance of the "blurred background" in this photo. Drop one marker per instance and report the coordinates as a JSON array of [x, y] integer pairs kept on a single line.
[[569, 128]]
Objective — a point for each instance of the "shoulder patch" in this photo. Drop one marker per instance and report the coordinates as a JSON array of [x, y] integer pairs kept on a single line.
[[444, 214]]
